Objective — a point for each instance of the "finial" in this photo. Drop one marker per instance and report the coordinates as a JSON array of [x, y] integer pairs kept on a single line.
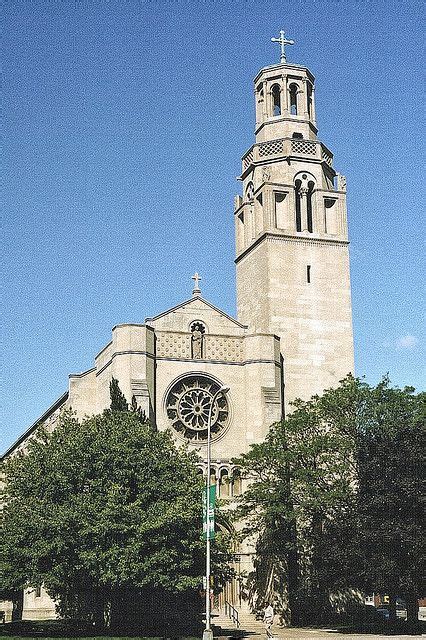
[[282, 40], [196, 290]]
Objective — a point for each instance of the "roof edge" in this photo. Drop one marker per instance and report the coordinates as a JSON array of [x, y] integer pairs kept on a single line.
[[209, 304], [59, 402]]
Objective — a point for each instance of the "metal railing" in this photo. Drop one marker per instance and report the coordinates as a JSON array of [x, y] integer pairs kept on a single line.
[[232, 613]]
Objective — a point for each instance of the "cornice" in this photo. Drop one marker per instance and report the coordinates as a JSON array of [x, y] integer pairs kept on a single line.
[[278, 237]]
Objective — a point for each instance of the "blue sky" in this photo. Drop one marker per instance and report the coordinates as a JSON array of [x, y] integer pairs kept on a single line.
[[124, 125]]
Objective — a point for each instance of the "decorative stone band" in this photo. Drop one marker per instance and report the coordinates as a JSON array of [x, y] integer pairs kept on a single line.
[[178, 345], [314, 149], [292, 239]]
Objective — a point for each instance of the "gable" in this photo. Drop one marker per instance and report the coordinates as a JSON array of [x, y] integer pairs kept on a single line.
[[181, 317]]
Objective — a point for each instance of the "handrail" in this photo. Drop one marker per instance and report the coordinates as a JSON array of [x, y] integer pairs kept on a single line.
[[232, 613]]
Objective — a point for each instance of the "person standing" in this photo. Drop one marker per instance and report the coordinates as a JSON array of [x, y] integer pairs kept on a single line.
[[268, 619]]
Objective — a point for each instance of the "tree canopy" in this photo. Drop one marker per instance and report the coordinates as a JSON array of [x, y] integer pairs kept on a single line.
[[101, 508], [334, 499]]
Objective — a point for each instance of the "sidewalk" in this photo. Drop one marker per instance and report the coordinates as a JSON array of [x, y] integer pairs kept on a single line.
[[254, 630]]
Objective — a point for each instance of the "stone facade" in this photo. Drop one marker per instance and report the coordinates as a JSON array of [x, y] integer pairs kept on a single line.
[[293, 332], [291, 237]]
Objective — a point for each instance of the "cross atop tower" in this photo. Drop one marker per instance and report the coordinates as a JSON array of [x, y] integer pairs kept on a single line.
[[282, 41], [196, 290]]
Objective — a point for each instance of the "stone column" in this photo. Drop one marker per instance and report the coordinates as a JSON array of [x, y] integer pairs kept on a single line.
[[305, 99], [284, 100], [313, 115]]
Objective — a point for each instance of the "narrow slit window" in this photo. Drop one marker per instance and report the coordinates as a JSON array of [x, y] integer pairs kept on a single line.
[[308, 274], [298, 207], [309, 88], [309, 207]]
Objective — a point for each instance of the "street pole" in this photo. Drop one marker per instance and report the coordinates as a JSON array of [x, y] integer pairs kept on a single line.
[[208, 633]]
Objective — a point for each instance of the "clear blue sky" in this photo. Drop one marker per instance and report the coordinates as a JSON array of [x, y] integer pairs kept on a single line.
[[124, 125]]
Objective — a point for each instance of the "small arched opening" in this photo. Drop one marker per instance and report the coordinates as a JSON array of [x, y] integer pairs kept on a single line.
[[224, 485], [276, 100], [293, 90]]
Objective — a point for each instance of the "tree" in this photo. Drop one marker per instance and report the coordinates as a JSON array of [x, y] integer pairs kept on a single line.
[[334, 498], [118, 400], [390, 497], [300, 477], [103, 511]]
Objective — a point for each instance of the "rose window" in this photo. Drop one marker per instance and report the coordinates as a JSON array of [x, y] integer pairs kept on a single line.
[[188, 405]]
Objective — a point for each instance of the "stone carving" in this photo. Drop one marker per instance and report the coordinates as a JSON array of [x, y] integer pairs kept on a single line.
[[175, 345], [211, 347], [197, 340], [266, 175], [188, 407], [341, 182]]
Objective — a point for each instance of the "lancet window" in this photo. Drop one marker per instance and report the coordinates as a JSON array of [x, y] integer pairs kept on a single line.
[[276, 100], [293, 89], [304, 187]]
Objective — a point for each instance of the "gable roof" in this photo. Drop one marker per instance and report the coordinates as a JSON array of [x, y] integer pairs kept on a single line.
[[188, 303], [58, 403]]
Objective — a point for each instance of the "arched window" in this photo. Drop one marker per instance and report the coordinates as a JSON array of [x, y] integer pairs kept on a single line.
[[276, 100], [304, 185], [224, 484], [309, 91], [309, 206], [297, 185], [293, 88], [250, 192], [236, 483]]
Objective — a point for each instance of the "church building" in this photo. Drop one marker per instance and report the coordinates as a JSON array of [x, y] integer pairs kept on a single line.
[[292, 336]]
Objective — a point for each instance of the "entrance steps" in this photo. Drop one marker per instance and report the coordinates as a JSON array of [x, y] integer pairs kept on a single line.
[[247, 622]]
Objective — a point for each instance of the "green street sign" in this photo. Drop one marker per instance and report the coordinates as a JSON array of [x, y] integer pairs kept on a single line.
[[212, 500]]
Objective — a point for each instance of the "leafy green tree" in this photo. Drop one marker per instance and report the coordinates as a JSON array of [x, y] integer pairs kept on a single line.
[[105, 511], [118, 400], [334, 499], [390, 495]]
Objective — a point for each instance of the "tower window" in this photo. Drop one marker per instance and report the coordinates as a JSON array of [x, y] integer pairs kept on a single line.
[[293, 99], [297, 135], [309, 207], [276, 100], [309, 90], [250, 192], [298, 206], [37, 592], [308, 273]]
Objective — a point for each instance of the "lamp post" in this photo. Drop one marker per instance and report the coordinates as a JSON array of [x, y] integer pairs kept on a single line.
[[208, 633]]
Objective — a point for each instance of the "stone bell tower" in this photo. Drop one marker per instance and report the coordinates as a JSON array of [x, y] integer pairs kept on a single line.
[[291, 236]]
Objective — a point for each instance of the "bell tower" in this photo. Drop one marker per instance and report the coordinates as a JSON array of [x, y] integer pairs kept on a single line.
[[292, 255]]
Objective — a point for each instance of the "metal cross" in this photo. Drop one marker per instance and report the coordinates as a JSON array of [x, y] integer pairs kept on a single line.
[[196, 279], [282, 40]]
